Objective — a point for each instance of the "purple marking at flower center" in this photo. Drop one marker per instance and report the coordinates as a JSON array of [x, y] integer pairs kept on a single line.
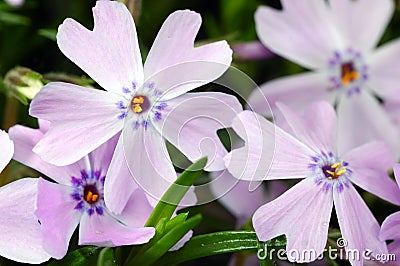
[[88, 192], [329, 171], [347, 71]]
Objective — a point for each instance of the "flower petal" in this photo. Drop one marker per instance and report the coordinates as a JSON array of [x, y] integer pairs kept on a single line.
[[309, 33], [269, 152], [302, 214], [236, 196], [357, 29], [296, 91], [81, 120], [137, 210], [358, 226], [148, 160], [361, 119], [391, 227], [119, 183], [25, 139], [104, 230], [316, 128], [58, 218], [182, 241], [384, 71], [7, 150], [190, 122], [110, 53], [20, 238], [369, 164], [176, 64]]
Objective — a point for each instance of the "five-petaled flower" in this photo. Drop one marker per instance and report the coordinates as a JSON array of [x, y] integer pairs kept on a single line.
[[149, 103], [303, 212], [20, 238], [78, 198], [336, 40]]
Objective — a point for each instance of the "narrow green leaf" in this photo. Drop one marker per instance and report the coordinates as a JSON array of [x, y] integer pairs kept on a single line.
[[106, 258], [13, 19], [216, 243], [167, 205], [167, 241], [81, 257], [48, 33]]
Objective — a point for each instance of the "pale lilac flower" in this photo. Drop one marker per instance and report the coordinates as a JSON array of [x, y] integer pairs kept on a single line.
[[78, 198], [147, 103], [391, 226], [303, 212], [254, 50], [15, 3], [20, 238], [335, 39]]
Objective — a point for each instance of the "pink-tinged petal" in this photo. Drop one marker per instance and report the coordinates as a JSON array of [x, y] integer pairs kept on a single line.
[[267, 152], [81, 120], [253, 50], [25, 139], [20, 238], [119, 183], [357, 29], [236, 196], [110, 53], [7, 150], [101, 157], [148, 159], [396, 170], [15, 3], [370, 164], [296, 91], [309, 36], [104, 230], [302, 214], [358, 226], [360, 120], [391, 227], [316, 127], [58, 218], [384, 71], [137, 210], [182, 241], [190, 122], [176, 64]]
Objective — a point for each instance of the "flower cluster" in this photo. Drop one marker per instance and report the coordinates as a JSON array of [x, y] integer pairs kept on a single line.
[[102, 153]]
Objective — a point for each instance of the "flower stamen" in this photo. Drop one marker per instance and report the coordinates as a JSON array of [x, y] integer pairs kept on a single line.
[[140, 104], [334, 171], [349, 74]]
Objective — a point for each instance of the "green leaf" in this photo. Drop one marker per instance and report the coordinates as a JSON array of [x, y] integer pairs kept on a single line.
[[13, 19], [106, 257], [167, 205], [217, 243], [81, 257], [48, 33], [167, 241]]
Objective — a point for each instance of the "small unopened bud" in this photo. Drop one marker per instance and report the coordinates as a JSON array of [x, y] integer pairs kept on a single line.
[[23, 83]]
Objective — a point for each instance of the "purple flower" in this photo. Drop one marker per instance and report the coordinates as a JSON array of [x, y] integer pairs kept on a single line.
[[78, 198], [336, 40], [391, 226], [20, 238], [303, 212], [15, 3], [147, 103]]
